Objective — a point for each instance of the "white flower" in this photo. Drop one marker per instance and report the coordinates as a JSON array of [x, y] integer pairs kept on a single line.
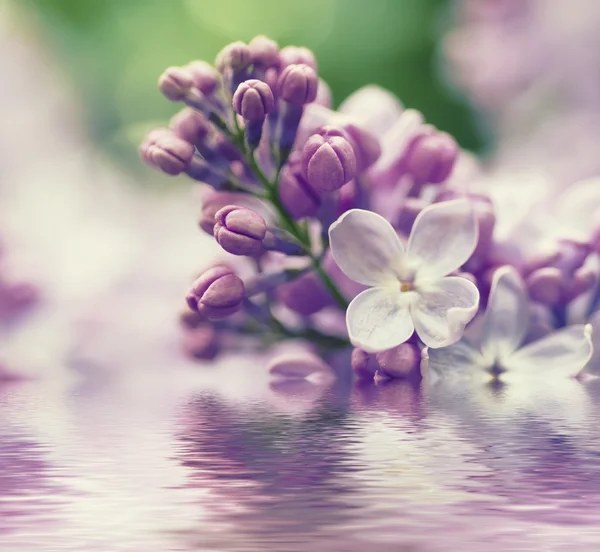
[[500, 354], [410, 288]]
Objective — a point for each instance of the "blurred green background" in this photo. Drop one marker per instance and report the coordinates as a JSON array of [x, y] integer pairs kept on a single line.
[[115, 50]]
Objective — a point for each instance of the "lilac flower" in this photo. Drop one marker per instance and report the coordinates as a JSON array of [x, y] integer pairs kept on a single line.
[[502, 352], [411, 289]]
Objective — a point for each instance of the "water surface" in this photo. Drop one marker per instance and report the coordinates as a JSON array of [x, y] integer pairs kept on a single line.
[[296, 467]]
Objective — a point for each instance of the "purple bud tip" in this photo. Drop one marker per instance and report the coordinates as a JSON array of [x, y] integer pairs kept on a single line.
[[217, 293], [431, 157], [294, 55], [264, 51], [328, 160], [174, 83], [253, 99], [235, 55], [298, 84], [204, 76], [239, 230], [165, 151]]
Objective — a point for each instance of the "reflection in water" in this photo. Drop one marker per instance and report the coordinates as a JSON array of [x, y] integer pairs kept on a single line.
[[299, 467], [273, 478]]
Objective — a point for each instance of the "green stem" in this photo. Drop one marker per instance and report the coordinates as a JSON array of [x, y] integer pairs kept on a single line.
[[272, 190], [329, 284]]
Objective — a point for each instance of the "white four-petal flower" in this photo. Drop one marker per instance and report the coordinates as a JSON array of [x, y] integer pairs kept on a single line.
[[500, 354], [410, 289]]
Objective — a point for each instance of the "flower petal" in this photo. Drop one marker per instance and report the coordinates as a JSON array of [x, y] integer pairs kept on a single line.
[[506, 318], [562, 353], [378, 319], [443, 309], [366, 247], [373, 107], [443, 238], [458, 361]]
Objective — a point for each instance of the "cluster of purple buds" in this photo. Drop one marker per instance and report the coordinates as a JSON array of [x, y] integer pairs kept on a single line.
[[280, 171], [556, 279], [278, 168]]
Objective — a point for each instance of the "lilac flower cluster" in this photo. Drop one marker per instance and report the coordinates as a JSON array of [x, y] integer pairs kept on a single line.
[[366, 213]]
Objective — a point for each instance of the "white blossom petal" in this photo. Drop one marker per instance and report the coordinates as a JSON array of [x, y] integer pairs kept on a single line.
[[443, 309], [458, 361], [506, 318], [378, 319], [366, 247], [442, 239], [562, 353]]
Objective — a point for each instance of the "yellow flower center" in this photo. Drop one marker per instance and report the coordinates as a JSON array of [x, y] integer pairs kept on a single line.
[[406, 286]]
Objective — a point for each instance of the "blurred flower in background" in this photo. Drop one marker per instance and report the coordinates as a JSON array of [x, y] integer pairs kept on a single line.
[[115, 50]]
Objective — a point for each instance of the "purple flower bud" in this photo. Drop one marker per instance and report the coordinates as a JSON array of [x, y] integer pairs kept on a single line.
[[299, 198], [165, 151], [294, 55], [235, 56], [192, 126], [298, 84], [217, 293], [364, 365], [239, 230], [253, 99], [400, 362], [558, 278], [201, 343], [328, 160], [430, 157], [174, 83], [305, 295], [204, 76], [264, 52]]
